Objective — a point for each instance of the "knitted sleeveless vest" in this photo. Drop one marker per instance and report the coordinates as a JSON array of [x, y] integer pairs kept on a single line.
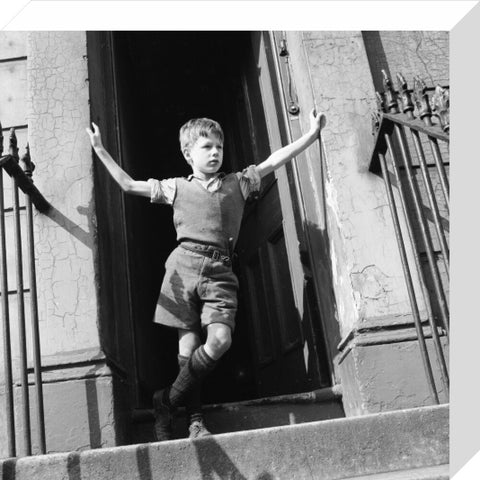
[[208, 217]]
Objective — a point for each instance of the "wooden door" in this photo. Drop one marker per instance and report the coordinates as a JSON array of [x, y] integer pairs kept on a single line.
[[276, 325], [116, 329]]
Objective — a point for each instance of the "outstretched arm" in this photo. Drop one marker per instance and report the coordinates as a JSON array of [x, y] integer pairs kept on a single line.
[[127, 184], [285, 154]]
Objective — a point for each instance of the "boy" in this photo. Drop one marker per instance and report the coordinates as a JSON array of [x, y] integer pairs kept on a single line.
[[199, 290]]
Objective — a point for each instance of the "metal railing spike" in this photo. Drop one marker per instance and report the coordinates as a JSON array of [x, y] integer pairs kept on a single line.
[[380, 99], [441, 107], [26, 162], [405, 96], [12, 144], [390, 95], [1, 140], [421, 100]]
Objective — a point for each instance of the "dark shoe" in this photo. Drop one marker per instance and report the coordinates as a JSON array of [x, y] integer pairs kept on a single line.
[[198, 429], [163, 416]]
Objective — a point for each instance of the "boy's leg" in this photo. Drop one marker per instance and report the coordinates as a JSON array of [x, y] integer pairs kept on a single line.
[[219, 340], [217, 343], [193, 408], [193, 401], [188, 341], [201, 363]]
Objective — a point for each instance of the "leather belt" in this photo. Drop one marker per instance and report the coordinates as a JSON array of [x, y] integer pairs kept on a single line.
[[213, 254]]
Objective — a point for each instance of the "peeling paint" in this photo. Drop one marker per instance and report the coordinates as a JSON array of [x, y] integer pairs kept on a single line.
[[367, 272], [58, 112]]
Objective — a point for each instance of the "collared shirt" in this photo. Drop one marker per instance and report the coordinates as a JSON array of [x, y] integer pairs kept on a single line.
[[163, 191]]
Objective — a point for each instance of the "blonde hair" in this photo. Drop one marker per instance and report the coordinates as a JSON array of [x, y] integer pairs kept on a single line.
[[196, 128]]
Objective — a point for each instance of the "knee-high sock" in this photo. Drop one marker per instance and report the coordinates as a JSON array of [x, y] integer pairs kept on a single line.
[[199, 365], [193, 401]]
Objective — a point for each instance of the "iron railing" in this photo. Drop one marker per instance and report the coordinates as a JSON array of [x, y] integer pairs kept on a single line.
[[411, 154], [20, 171]]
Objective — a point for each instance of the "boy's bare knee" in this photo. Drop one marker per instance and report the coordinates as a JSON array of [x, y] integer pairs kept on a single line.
[[219, 338], [188, 342]]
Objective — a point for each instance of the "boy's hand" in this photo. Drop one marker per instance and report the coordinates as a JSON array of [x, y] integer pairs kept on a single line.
[[317, 121], [94, 135]]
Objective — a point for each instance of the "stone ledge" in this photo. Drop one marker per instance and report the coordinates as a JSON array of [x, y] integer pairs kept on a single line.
[[316, 396], [440, 472], [374, 333], [329, 450], [318, 405], [389, 376]]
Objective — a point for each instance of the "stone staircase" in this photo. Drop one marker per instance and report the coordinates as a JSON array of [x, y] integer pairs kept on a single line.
[[406, 444]]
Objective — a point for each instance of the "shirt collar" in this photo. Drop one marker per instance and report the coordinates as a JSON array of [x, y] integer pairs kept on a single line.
[[219, 175]]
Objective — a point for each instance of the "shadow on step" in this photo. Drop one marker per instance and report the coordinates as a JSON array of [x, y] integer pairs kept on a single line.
[[212, 460]]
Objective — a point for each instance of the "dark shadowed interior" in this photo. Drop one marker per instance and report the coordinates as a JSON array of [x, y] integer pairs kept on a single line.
[[160, 80]]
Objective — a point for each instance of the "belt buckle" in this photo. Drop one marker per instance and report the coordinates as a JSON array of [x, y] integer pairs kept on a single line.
[[216, 255]]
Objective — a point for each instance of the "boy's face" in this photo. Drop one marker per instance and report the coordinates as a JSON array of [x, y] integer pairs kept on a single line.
[[205, 156]]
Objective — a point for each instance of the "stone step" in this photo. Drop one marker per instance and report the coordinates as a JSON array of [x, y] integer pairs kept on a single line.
[[322, 404], [439, 472], [327, 450]]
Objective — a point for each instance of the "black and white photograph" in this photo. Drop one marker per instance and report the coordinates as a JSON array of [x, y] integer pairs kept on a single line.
[[225, 253]]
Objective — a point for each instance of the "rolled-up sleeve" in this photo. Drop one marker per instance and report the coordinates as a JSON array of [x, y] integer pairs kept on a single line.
[[249, 180], [162, 191]]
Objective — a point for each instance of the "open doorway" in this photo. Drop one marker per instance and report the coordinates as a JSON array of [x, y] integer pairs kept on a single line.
[[161, 80]]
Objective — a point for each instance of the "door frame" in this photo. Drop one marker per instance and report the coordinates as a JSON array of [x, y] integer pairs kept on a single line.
[[281, 131], [105, 112], [279, 134], [269, 89]]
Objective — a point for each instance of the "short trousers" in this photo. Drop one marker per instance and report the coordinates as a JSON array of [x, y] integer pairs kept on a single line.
[[196, 292]]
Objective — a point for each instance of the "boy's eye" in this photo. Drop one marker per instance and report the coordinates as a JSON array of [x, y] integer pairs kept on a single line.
[[208, 146]]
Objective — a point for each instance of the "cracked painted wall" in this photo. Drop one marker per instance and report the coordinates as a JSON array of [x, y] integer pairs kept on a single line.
[[367, 274], [58, 112], [45, 93], [410, 53], [342, 68]]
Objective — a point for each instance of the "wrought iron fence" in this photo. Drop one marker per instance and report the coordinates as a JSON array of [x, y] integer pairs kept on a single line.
[[411, 153], [20, 171]]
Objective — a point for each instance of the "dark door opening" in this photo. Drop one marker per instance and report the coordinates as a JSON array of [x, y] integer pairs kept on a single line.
[[162, 79]]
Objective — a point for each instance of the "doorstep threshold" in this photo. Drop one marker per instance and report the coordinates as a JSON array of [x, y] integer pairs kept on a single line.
[[320, 395]]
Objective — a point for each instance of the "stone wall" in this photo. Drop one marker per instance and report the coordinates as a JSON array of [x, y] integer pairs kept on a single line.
[[367, 275], [334, 71], [48, 91], [57, 115]]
